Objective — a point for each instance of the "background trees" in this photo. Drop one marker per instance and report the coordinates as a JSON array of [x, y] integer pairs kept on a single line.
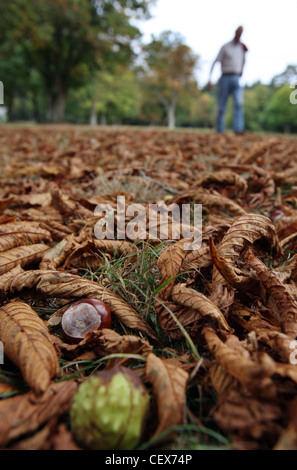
[[65, 41], [83, 61], [169, 73]]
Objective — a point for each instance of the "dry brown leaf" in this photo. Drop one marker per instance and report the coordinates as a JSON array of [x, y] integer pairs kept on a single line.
[[225, 178], [288, 436], [56, 255], [221, 380], [26, 343], [13, 240], [247, 416], [245, 231], [29, 228], [169, 265], [191, 298], [210, 199], [62, 439], [266, 331], [22, 255], [254, 374], [197, 259], [38, 441], [24, 414], [4, 203], [232, 275], [169, 390], [170, 314], [288, 270], [276, 296], [106, 342]]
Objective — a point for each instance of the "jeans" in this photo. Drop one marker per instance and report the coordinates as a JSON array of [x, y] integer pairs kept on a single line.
[[229, 85]]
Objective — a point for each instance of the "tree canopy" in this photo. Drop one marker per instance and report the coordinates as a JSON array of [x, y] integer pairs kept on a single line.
[[65, 39], [85, 61], [170, 71]]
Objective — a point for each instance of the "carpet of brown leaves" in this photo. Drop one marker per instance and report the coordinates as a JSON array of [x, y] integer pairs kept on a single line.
[[224, 320]]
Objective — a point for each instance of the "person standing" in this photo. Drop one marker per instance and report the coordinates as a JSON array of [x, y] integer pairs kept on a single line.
[[232, 59]]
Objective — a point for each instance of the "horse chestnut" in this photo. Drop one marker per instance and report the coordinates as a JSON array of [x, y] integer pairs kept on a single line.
[[83, 317]]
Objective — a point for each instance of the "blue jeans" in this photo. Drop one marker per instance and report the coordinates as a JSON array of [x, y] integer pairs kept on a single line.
[[229, 85]]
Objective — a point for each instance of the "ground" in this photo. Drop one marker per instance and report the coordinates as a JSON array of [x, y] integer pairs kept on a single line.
[[210, 332]]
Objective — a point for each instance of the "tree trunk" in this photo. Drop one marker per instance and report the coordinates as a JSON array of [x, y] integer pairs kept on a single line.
[[57, 101], [103, 120], [36, 109], [1, 93], [171, 115], [58, 107], [9, 106], [93, 117]]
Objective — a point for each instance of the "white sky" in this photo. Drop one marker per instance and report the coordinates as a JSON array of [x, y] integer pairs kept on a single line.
[[269, 32]]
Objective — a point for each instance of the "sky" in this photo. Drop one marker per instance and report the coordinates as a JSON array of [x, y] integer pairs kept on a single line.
[[269, 32]]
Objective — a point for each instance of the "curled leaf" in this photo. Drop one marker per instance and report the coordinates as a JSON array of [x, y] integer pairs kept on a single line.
[[245, 231], [275, 295], [237, 361], [12, 240], [169, 390], [22, 255], [27, 344], [193, 299]]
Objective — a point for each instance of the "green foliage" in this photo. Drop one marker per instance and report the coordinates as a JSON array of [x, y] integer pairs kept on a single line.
[[63, 40], [280, 114], [78, 56], [169, 73], [255, 102], [115, 96]]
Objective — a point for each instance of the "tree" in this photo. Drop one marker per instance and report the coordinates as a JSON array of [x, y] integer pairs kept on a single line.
[[286, 77], [12, 74], [64, 39], [256, 99], [169, 72], [206, 110], [116, 95], [280, 115]]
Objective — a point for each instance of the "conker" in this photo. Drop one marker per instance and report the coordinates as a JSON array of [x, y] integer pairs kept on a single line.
[[83, 317]]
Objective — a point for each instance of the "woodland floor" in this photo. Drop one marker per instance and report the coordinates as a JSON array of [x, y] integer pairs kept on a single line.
[[210, 332]]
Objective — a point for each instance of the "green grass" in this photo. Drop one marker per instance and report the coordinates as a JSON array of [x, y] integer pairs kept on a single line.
[[138, 283]]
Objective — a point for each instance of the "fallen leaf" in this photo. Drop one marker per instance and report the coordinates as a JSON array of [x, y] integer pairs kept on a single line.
[[26, 343], [169, 385]]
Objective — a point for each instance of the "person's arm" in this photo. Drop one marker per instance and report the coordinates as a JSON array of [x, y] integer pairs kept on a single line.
[[243, 64], [245, 49], [209, 85], [218, 59]]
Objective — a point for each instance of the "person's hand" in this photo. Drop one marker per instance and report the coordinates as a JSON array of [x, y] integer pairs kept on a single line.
[[209, 85]]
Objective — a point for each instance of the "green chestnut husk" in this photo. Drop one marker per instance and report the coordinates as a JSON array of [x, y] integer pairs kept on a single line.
[[109, 410]]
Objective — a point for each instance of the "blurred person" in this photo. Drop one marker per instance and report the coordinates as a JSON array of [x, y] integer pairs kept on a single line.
[[232, 59]]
